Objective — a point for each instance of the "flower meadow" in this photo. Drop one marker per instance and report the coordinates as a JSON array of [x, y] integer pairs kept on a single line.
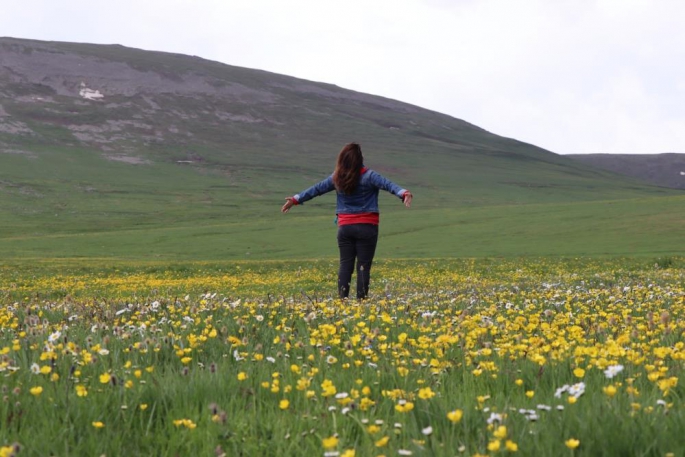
[[447, 357]]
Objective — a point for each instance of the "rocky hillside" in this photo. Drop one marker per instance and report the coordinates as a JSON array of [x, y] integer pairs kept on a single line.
[[666, 170], [120, 101]]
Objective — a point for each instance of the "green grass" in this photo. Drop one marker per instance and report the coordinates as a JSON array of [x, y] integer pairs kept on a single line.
[[645, 227]]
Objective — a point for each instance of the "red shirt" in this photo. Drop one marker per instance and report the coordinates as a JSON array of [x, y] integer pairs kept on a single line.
[[358, 218]]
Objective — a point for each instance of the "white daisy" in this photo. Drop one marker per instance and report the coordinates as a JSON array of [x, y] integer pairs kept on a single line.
[[613, 370]]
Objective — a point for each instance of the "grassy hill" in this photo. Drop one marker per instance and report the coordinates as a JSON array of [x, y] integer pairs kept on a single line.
[[666, 170], [112, 152]]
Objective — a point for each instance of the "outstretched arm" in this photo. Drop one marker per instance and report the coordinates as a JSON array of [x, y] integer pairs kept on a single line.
[[317, 189], [389, 186]]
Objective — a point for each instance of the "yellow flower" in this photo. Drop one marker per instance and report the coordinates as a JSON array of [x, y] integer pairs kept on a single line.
[[373, 428], [104, 378], [187, 423], [572, 443], [366, 403], [81, 391], [426, 393], [330, 442], [404, 407], [138, 374], [98, 424], [45, 369], [327, 388], [579, 372], [493, 446], [511, 446], [143, 406], [530, 393], [36, 390], [500, 432], [519, 382], [242, 376], [303, 384], [284, 404], [54, 377], [572, 400], [455, 416], [348, 453], [667, 384], [382, 442], [610, 390], [186, 360]]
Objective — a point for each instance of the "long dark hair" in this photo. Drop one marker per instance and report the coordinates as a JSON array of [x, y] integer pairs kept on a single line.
[[346, 175]]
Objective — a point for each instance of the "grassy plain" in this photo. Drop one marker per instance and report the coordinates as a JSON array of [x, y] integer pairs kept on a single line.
[[447, 357], [640, 227]]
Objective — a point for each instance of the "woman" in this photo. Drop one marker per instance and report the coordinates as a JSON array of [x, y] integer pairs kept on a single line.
[[357, 214]]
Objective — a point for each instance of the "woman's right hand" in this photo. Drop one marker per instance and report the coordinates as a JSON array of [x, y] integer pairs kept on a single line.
[[289, 202]]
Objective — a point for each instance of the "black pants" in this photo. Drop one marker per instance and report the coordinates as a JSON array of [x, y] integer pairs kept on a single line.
[[356, 241]]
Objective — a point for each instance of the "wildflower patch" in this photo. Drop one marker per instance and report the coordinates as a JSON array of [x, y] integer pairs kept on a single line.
[[535, 356]]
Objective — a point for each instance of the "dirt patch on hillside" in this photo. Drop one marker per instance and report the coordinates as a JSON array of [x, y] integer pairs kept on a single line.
[[28, 154], [128, 159], [224, 116], [15, 128]]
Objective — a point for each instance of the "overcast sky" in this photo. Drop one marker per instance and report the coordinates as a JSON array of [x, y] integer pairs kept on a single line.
[[571, 76]]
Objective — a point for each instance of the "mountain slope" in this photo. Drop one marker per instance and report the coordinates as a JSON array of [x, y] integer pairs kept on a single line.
[[96, 139], [666, 170]]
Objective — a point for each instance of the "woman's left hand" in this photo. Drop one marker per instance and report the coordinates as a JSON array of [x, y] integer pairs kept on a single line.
[[407, 199]]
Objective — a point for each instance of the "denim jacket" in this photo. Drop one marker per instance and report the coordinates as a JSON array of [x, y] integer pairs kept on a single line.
[[364, 199]]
